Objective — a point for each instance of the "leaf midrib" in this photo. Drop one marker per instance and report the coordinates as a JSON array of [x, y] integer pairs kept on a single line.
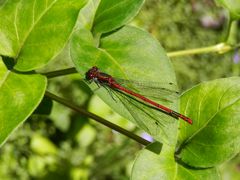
[[114, 61], [5, 78], [105, 11], [218, 111], [34, 25]]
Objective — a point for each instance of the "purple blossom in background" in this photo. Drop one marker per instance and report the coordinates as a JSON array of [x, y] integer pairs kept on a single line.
[[147, 137], [236, 58]]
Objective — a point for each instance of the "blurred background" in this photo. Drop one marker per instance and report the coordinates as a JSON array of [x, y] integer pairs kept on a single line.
[[66, 145]]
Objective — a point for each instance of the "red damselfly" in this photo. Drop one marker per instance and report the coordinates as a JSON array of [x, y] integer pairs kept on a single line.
[[103, 79]]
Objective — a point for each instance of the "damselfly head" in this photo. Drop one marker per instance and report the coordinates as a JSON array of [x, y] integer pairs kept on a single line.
[[92, 73]]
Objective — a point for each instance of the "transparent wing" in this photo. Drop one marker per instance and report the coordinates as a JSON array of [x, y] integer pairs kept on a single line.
[[163, 92], [152, 120]]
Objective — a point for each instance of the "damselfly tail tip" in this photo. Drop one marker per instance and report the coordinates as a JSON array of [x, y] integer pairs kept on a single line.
[[185, 118], [189, 120]]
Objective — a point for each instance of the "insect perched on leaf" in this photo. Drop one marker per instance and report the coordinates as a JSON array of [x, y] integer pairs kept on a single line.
[[131, 98]]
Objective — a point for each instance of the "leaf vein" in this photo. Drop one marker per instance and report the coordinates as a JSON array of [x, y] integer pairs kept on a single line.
[[15, 21], [4, 78], [106, 10], [32, 27], [114, 61]]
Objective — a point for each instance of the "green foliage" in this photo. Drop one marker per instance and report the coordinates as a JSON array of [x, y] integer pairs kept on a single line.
[[20, 35], [157, 162], [199, 25], [65, 145], [213, 138], [28, 22], [19, 95], [113, 14], [112, 56], [233, 6]]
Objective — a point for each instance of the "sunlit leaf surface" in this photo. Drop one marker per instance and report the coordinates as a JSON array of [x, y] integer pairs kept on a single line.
[[214, 136], [33, 32], [157, 162], [113, 14], [19, 96], [129, 53], [233, 6]]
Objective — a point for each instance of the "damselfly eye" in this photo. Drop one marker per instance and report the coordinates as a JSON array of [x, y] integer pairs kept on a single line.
[[88, 75], [91, 73]]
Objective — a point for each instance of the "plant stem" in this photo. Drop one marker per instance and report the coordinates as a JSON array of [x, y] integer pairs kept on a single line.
[[62, 72], [229, 26], [97, 118], [232, 33], [218, 48]]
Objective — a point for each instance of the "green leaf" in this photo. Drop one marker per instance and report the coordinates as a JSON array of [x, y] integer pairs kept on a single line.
[[87, 15], [106, 15], [112, 14], [154, 162], [157, 162], [214, 136], [232, 5], [129, 53], [19, 95], [34, 32]]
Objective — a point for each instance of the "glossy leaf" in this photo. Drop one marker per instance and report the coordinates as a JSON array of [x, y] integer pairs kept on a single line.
[[184, 173], [233, 6], [112, 14], [34, 32], [129, 53], [214, 136], [154, 162], [87, 15], [19, 95], [106, 15], [157, 162]]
